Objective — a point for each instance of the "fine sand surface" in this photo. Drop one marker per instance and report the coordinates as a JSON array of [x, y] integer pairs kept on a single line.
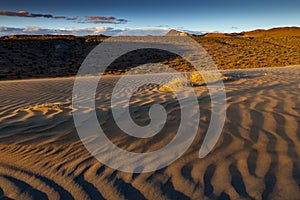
[[256, 157]]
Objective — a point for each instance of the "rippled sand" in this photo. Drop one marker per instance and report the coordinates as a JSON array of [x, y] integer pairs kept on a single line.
[[257, 155]]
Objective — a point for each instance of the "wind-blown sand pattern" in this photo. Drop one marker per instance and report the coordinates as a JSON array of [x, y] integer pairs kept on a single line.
[[257, 155]]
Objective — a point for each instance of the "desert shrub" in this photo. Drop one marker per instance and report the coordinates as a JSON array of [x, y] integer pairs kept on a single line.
[[191, 79], [176, 84]]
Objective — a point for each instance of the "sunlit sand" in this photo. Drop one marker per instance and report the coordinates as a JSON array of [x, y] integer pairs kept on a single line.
[[256, 157]]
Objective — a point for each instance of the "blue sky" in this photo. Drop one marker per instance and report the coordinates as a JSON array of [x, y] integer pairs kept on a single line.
[[203, 16]]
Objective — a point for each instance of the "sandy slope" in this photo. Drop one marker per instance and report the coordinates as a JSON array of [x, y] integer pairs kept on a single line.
[[257, 156]]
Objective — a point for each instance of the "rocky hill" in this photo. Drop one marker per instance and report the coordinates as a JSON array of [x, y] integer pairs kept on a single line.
[[174, 32], [26, 56]]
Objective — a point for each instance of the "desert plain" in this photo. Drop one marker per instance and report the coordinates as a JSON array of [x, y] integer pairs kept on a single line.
[[256, 157]]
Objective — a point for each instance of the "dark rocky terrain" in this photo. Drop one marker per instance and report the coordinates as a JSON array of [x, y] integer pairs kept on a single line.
[[30, 56]]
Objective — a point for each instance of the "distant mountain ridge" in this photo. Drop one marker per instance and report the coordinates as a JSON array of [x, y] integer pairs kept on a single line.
[[281, 31]]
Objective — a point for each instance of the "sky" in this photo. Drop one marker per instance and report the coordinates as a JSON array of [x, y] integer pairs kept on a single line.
[[155, 17]]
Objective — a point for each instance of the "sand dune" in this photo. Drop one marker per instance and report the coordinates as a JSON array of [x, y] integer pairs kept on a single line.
[[257, 155]]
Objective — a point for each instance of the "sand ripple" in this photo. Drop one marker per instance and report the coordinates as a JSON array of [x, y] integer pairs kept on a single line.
[[257, 156]]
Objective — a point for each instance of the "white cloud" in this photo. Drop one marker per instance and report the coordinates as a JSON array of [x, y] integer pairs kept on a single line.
[[144, 31], [32, 29], [200, 32], [3, 28], [104, 30]]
